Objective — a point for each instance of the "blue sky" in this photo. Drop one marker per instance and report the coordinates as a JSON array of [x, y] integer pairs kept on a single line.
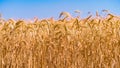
[[51, 8]]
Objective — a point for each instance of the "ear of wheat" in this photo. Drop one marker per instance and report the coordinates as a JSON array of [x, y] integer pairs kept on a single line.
[[105, 10], [97, 13], [77, 11], [65, 14]]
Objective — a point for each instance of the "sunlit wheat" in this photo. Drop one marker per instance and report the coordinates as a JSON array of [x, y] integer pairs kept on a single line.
[[92, 42]]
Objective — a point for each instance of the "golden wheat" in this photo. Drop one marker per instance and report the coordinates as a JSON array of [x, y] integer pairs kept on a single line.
[[49, 43]]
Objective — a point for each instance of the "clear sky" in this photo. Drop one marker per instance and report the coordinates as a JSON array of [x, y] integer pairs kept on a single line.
[[52, 8]]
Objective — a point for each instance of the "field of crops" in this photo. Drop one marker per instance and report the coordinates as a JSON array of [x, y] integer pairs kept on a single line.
[[93, 42]]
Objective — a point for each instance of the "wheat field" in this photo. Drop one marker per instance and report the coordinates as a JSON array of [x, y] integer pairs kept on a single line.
[[92, 42]]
